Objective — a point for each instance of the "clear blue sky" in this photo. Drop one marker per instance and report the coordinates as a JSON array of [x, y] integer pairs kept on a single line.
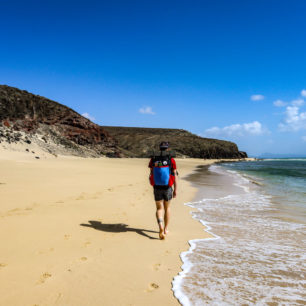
[[213, 67]]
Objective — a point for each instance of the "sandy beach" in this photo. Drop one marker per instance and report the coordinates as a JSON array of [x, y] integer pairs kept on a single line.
[[90, 90], [78, 231]]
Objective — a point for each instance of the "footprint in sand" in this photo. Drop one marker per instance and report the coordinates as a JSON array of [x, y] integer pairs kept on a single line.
[[20, 211], [87, 243], [152, 287], [83, 258], [67, 237], [15, 212], [110, 189], [58, 297], [156, 267], [43, 278], [96, 195], [2, 265], [82, 196]]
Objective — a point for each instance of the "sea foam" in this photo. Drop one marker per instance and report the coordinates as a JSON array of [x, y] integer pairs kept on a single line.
[[254, 258]]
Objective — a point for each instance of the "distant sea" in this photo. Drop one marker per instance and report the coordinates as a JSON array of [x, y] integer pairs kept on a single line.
[[256, 213]]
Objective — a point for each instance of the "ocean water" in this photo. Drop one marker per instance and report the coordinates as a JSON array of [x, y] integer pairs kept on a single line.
[[256, 213]]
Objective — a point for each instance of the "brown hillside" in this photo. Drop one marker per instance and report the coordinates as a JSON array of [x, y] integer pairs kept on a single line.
[[60, 130], [57, 124], [139, 142]]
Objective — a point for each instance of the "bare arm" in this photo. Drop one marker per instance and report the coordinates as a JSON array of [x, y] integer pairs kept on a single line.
[[175, 184]]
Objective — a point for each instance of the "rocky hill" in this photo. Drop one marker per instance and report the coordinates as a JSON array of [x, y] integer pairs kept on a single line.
[[57, 129], [139, 142]]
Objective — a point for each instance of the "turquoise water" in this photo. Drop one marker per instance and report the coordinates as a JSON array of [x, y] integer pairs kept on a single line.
[[255, 212], [284, 179]]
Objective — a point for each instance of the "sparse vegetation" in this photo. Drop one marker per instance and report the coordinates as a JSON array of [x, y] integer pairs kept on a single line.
[[140, 142]]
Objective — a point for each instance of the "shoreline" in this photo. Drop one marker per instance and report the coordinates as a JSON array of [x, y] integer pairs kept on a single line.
[[195, 179], [78, 231], [248, 246], [199, 178]]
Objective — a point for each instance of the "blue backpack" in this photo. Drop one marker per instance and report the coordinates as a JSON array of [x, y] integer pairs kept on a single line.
[[161, 174]]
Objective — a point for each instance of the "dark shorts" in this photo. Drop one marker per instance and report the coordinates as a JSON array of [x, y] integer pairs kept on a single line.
[[163, 194]]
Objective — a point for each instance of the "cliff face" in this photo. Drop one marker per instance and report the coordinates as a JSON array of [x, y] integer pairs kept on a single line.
[[25, 117]]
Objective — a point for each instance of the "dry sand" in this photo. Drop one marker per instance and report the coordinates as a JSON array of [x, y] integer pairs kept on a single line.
[[77, 231]]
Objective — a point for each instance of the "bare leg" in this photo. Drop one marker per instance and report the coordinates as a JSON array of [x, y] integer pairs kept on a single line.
[[167, 215], [160, 219]]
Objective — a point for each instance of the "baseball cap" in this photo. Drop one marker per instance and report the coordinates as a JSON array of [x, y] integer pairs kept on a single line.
[[164, 145]]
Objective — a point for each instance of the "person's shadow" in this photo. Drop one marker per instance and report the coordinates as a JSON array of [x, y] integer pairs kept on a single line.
[[118, 228]]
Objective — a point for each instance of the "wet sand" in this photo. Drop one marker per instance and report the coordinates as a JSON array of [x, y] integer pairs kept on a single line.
[[211, 184]]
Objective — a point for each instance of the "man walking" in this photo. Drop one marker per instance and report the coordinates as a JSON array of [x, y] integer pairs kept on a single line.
[[163, 176]]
